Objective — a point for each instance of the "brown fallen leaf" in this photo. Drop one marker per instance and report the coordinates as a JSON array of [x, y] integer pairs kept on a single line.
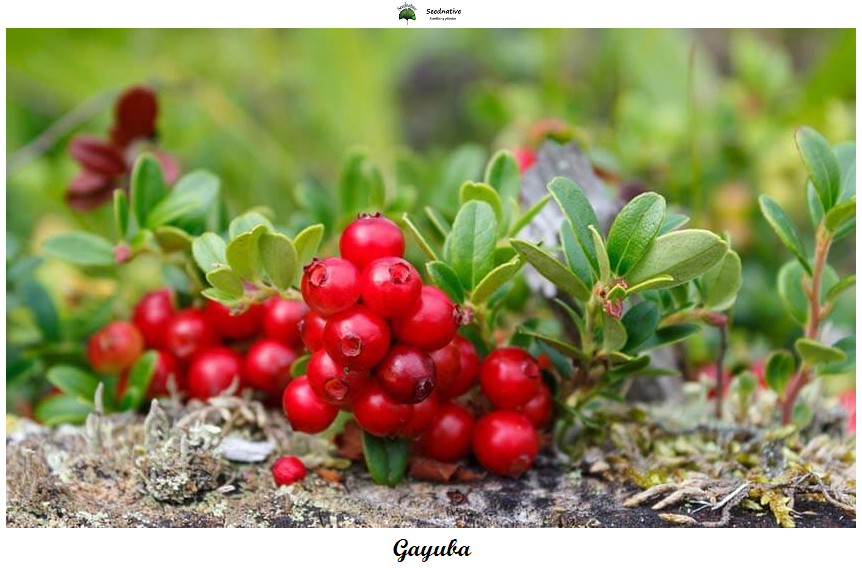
[[328, 475], [348, 443], [432, 470]]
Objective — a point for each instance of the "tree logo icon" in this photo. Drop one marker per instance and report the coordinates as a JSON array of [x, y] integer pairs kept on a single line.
[[407, 12]]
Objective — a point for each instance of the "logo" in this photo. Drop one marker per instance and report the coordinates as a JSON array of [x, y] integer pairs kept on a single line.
[[407, 12]]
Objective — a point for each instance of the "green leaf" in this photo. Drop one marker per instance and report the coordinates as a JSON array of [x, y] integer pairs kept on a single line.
[[672, 222], [846, 154], [226, 281], [138, 383], [779, 368], [279, 259], [300, 366], [720, 284], [472, 242], [306, 243], [173, 239], [640, 322], [423, 243], [472, 191], [188, 204], [529, 215], [844, 284], [552, 269], [37, 299], [816, 353], [562, 346], [660, 281], [438, 221], [243, 255], [792, 294], [445, 278], [496, 278], [783, 227], [822, 165], [601, 255], [121, 214], [613, 333], [147, 187], [840, 214], [61, 409], [361, 184], [682, 255], [386, 458], [574, 254], [815, 208], [73, 381], [633, 231], [846, 345], [844, 230], [248, 222], [217, 295], [669, 335], [502, 174], [208, 251], [577, 209], [80, 248]]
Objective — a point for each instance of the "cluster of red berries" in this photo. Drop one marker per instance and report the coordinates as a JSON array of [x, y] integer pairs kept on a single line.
[[385, 347], [204, 350]]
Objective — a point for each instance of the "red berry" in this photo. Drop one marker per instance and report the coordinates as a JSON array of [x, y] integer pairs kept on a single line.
[[505, 442], [281, 319], [166, 366], [406, 374], [330, 285], [212, 372], [151, 316], [525, 158], [334, 383], [357, 338], [380, 415], [267, 365], [287, 470], [370, 237], [390, 286], [188, 334], [540, 409], [509, 377], [115, 347], [311, 329], [305, 411], [430, 324], [420, 419], [449, 436], [447, 364], [234, 326], [469, 370]]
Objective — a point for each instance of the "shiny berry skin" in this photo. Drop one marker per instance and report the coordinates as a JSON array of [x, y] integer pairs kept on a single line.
[[430, 324], [115, 347], [234, 326], [540, 409], [509, 377], [212, 371], [357, 338], [305, 411], [334, 383], [447, 365], [370, 237], [469, 370], [420, 419], [390, 286], [525, 158], [267, 365], [189, 333], [287, 470], [380, 415], [330, 285], [311, 330], [505, 442], [449, 436], [151, 316], [281, 319], [407, 374]]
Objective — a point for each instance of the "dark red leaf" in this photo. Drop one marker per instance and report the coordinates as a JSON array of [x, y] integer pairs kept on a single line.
[[88, 190], [97, 156], [135, 115], [170, 167], [432, 470], [348, 444]]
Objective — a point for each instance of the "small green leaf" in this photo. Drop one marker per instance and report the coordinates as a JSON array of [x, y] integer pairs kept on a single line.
[[386, 458], [846, 345], [138, 383], [601, 255], [783, 227], [121, 214], [248, 222], [792, 293], [361, 184], [41, 305], [438, 221], [243, 255], [574, 254], [633, 231], [529, 215], [299, 367], [640, 322], [73, 381], [669, 335], [208, 251], [472, 191], [61, 409], [720, 284], [147, 187], [445, 278], [682, 255], [496, 278], [226, 281], [172, 239], [613, 333], [552, 269], [78, 247], [188, 204], [306, 243], [502, 174], [661, 281], [779, 368], [822, 165], [279, 259], [672, 222], [815, 208], [423, 243], [816, 353], [472, 242], [844, 284], [840, 214], [562, 346], [217, 295], [577, 209]]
